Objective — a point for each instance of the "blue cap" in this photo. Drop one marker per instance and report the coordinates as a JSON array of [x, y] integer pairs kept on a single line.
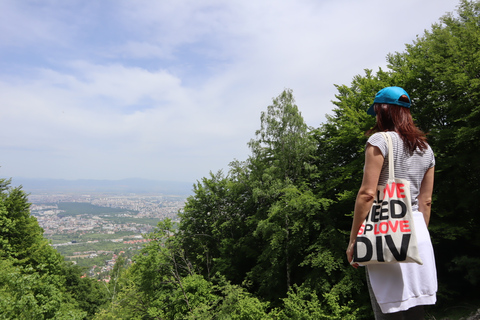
[[389, 95]]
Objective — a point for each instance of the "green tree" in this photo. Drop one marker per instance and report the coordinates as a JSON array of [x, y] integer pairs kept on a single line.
[[282, 143], [35, 282], [162, 283], [215, 228], [304, 303], [89, 294], [20, 235], [27, 294], [279, 166]]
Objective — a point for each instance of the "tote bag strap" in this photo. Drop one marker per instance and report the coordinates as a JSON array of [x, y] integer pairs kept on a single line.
[[388, 139]]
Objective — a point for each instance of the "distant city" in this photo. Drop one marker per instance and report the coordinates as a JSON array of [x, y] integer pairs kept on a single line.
[[55, 218], [92, 223]]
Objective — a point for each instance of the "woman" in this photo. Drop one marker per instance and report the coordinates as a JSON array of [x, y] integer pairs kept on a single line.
[[398, 291]]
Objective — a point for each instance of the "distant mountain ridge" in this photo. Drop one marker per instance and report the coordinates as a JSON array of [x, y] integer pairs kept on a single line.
[[131, 185]]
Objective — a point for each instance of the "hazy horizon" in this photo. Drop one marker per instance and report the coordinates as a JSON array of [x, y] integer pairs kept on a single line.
[[128, 185]]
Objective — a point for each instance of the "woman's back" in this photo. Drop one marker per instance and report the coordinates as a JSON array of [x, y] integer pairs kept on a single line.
[[408, 165]]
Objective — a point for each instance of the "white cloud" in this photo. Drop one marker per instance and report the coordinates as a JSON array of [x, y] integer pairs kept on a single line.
[[173, 89]]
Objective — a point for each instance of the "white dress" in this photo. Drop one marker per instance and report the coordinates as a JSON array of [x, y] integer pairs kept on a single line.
[[401, 286]]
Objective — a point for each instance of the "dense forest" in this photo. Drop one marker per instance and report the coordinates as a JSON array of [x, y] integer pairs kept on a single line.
[[267, 239]]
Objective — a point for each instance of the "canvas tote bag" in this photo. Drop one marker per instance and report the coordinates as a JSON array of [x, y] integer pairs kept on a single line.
[[388, 233]]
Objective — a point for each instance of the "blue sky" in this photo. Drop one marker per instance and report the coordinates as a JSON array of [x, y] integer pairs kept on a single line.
[[173, 89]]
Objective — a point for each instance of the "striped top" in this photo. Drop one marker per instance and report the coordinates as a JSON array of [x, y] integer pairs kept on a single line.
[[410, 166]]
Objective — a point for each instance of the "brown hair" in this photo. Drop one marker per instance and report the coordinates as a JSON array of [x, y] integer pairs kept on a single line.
[[396, 118]]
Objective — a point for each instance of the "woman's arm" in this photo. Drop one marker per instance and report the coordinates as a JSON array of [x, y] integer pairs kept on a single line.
[[373, 166], [425, 196]]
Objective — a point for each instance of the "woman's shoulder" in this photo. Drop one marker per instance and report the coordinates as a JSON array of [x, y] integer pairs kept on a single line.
[[377, 140], [376, 136]]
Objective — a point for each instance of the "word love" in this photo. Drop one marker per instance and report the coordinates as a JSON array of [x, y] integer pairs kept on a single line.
[[385, 227]]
